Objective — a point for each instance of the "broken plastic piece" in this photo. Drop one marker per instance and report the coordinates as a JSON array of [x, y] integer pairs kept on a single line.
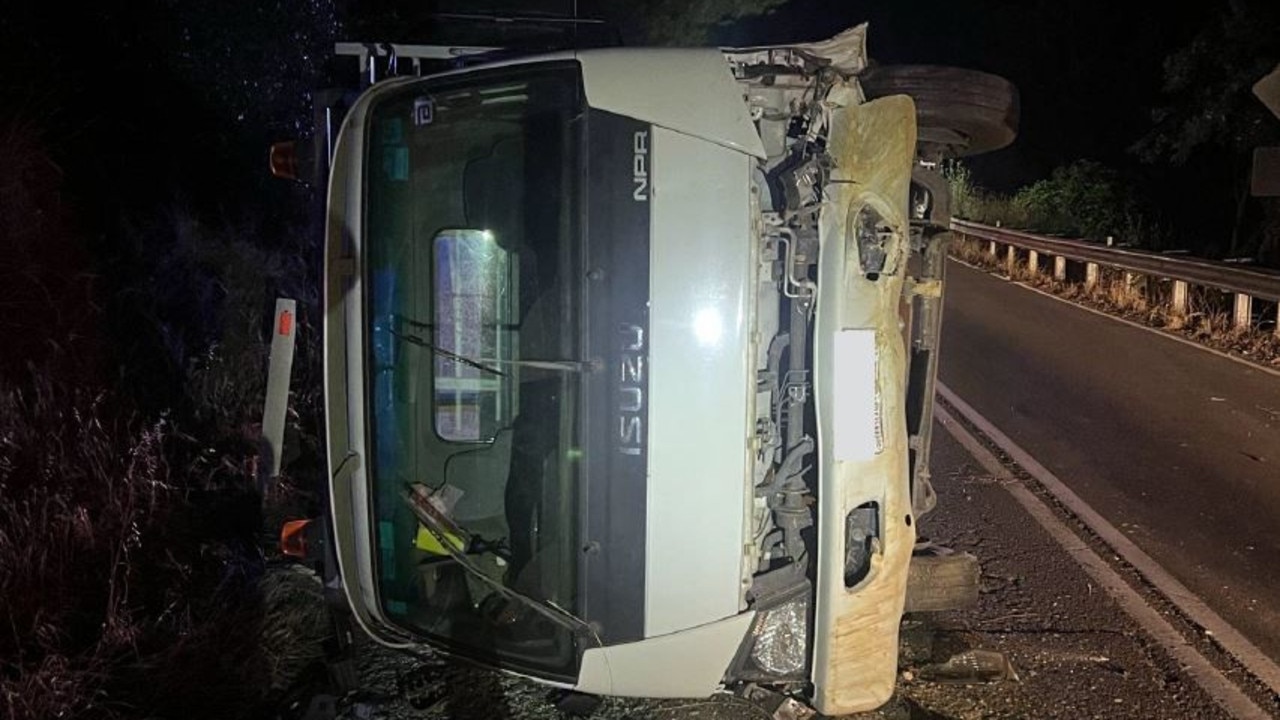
[[971, 666], [777, 705], [793, 709]]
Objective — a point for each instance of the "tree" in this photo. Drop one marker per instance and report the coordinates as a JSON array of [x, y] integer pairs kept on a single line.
[[1211, 108]]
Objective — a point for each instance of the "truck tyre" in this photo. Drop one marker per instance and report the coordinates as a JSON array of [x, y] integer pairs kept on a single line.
[[965, 112], [942, 581]]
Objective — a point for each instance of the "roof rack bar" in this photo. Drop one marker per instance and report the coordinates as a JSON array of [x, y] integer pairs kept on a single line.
[[396, 52], [519, 18]]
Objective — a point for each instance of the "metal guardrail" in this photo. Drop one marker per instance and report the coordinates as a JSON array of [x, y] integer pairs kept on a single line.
[[1246, 283]]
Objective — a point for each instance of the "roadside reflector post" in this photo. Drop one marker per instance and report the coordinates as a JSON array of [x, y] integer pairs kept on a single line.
[[1033, 262], [991, 249], [1091, 275], [1011, 260], [1179, 298], [283, 332], [1244, 311], [1060, 268]]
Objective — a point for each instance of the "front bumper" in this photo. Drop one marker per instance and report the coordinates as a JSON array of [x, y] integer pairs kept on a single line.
[[856, 628]]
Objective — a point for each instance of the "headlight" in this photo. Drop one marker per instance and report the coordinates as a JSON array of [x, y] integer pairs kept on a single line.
[[777, 647], [782, 639]]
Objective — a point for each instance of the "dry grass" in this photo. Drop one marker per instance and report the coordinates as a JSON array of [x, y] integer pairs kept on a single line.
[[112, 595], [132, 578], [1146, 300], [298, 624]]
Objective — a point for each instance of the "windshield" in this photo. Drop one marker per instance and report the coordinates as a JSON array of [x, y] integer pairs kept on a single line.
[[475, 374]]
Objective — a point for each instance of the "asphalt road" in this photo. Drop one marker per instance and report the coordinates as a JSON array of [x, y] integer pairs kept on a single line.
[[1177, 447]]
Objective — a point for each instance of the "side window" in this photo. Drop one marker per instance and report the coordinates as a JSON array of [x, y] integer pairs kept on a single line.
[[473, 297]]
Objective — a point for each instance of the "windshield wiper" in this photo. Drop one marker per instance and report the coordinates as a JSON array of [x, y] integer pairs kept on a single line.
[[487, 364], [570, 366], [420, 342], [447, 533]]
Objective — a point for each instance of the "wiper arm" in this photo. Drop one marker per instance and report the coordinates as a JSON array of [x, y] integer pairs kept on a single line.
[[569, 366], [488, 364], [420, 342], [442, 527]]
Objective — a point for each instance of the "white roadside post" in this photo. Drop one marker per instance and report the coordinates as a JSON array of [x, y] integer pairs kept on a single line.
[[1244, 311], [283, 332], [1179, 298], [1060, 268], [1033, 262]]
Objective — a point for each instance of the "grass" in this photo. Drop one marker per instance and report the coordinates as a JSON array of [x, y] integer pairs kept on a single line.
[[1207, 319], [134, 580], [109, 603]]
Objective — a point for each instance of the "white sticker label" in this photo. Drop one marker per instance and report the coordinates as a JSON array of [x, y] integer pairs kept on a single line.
[[856, 424]]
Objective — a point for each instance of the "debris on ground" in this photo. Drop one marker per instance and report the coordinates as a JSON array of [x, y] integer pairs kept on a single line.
[[971, 666]]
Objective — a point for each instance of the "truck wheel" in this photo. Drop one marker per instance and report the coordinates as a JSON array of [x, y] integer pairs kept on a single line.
[[964, 112], [939, 581]]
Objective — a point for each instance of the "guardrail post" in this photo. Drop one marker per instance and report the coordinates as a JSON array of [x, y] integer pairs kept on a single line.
[[1142, 272], [1179, 298], [1244, 311]]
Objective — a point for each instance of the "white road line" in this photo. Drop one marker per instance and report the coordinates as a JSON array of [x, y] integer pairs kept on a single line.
[[1208, 677], [1157, 331]]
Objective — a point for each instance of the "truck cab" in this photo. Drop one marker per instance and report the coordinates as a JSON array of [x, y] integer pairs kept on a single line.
[[629, 359]]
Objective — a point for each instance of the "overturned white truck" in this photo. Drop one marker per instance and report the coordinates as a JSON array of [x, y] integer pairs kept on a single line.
[[630, 360]]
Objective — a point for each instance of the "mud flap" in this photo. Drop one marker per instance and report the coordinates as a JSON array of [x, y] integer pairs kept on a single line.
[[856, 628]]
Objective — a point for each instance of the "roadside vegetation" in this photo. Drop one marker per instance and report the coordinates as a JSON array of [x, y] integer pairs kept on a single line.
[[1083, 199], [136, 579], [1144, 300]]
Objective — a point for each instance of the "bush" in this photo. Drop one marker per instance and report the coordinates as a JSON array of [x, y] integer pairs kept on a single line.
[[131, 564], [971, 202], [1083, 200], [117, 600]]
